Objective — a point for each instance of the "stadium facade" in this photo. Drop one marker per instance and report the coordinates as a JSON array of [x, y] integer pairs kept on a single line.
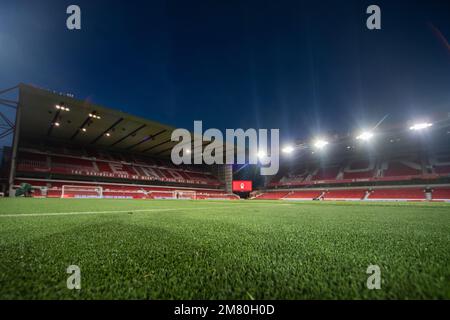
[[64, 147]]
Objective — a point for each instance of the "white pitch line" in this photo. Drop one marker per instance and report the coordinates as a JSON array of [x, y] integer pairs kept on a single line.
[[76, 213], [49, 214]]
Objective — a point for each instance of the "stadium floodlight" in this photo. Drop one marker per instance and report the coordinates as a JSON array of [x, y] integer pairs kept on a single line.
[[365, 136], [288, 149], [420, 126], [108, 134], [320, 144], [56, 124], [83, 129], [61, 107]]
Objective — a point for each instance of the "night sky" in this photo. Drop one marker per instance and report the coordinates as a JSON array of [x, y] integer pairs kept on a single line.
[[306, 67]]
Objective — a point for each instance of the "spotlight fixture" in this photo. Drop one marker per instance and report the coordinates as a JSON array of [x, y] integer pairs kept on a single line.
[[108, 134], [93, 115], [57, 124], [61, 107], [83, 129]]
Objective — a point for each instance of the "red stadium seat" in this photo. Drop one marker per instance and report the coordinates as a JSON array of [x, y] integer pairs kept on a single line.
[[328, 173], [362, 169], [398, 168], [442, 194], [272, 195], [398, 194], [144, 170], [304, 195], [442, 170], [345, 194]]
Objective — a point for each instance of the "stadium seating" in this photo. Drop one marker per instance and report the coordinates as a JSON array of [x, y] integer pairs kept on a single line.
[[359, 170], [303, 195], [394, 194], [153, 170], [399, 168], [358, 175], [398, 194], [104, 167], [441, 164], [442, 194], [54, 190], [442, 170], [30, 160], [327, 173], [345, 194], [129, 169], [349, 171], [272, 195], [66, 163]]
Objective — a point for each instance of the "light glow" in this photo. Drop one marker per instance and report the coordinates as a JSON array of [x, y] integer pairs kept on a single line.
[[420, 126], [261, 155], [61, 107], [365, 136], [288, 149], [91, 115], [320, 144]]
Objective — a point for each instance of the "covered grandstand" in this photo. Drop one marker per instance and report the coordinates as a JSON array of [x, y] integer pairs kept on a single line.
[[64, 147]]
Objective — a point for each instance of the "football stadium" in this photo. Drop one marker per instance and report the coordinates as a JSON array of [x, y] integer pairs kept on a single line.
[[242, 153], [94, 187]]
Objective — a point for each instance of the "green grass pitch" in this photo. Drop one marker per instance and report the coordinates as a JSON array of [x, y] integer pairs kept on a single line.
[[133, 249]]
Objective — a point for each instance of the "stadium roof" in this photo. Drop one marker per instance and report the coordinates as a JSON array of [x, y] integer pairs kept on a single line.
[[44, 116]]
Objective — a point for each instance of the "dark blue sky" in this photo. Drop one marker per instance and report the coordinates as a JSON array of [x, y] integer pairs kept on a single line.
[[302, 66]]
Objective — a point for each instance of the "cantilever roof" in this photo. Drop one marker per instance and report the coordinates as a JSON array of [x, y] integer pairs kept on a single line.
[[115, 130]]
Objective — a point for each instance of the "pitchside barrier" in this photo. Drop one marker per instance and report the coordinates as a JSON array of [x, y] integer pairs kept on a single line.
[[97, 192], [81, 192]]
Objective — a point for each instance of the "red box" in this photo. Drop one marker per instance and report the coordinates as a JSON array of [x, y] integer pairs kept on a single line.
[[242, 186]]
